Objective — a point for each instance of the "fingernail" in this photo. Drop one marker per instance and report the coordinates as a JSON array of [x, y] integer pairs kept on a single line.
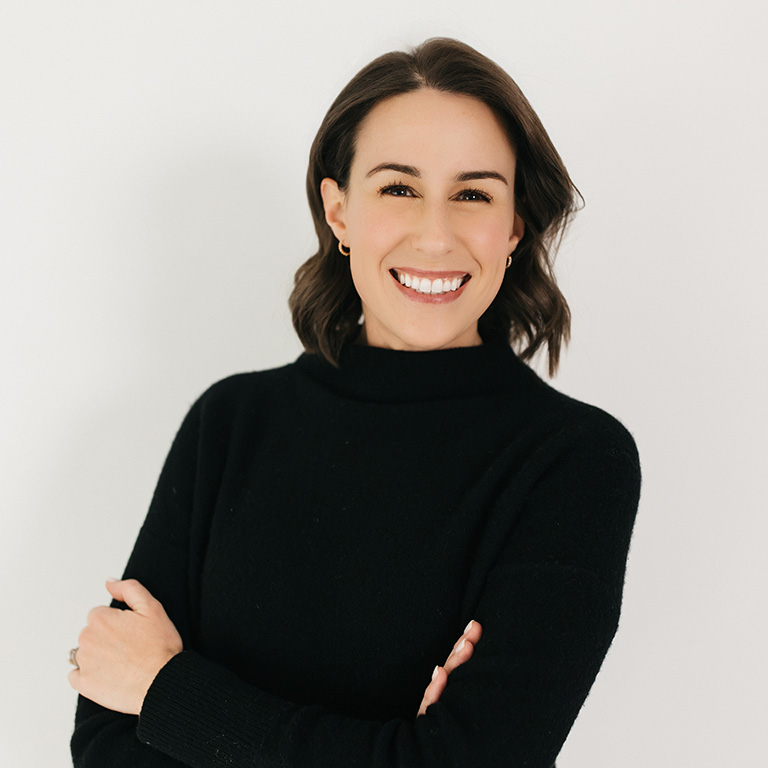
[[468, 627], [434, 672], [460, 645], [112, 579]]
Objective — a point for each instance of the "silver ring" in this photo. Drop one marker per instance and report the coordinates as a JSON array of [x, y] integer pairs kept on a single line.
[[73, 658]]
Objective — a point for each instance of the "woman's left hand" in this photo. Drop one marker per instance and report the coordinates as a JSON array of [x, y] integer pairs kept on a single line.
[[121, 651], [461, 653]]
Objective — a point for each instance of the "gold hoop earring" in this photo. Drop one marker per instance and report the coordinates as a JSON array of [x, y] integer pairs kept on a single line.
[[509, 261], [342, 251]]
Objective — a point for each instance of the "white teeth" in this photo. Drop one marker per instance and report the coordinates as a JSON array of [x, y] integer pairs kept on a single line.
[[425, 285]]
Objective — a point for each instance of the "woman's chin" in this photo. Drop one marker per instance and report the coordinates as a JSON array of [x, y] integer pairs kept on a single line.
[[420, 339]]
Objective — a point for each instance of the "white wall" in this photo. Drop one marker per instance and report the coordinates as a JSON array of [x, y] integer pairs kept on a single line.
[[152, 214]]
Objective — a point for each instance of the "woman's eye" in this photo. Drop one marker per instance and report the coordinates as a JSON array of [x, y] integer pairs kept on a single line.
[[396, 190], [474, 194]]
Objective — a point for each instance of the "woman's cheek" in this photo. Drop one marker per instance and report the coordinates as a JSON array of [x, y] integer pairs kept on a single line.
[[381, 231], [487, 241]]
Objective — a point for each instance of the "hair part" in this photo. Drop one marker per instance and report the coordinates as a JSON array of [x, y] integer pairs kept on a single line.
[[529, 311]]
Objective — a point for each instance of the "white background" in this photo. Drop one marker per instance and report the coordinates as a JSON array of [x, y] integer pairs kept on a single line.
[[152, 213]]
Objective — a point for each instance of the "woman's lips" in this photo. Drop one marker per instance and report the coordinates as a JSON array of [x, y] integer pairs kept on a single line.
[[430, 287], [430, 283]]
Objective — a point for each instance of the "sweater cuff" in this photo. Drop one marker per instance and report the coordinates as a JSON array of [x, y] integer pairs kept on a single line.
[[202, 714]]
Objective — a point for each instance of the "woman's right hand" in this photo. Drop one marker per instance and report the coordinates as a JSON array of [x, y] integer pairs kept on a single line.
[[461, 652]]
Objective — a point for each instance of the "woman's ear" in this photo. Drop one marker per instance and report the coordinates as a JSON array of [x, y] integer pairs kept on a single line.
[[518, 230], [333, 203]]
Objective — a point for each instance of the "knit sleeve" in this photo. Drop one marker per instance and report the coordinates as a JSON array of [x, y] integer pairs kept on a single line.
[[549, 610], [103, 738]]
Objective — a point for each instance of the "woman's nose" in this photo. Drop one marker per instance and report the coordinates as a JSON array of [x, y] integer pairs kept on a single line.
[[433, 234]]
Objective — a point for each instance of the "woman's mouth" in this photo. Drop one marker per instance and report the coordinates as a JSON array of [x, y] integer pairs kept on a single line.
[[433, 286]]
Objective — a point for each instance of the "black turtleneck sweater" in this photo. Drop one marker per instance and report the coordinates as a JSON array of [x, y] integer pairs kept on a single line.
[[321, 537]]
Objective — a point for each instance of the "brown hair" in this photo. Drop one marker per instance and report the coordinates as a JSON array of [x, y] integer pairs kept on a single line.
[[529, 309]]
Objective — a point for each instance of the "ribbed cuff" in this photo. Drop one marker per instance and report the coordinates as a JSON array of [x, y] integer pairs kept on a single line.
[[204, 715]]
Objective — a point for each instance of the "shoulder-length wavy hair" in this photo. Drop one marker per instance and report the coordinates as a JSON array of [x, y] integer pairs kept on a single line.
[[529, 310]]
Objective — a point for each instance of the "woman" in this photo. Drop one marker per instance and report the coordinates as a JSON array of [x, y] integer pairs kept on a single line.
[[322, 533]]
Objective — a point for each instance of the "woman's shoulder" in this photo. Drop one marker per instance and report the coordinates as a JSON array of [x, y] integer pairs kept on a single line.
[[570, 420], [239, 394], [247, 383]]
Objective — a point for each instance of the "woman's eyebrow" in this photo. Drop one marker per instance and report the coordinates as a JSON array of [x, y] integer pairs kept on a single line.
[[408, 169], [471, 175], [416, 173]]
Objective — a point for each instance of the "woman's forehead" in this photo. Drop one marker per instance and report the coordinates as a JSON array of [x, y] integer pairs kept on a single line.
[[433, 130]]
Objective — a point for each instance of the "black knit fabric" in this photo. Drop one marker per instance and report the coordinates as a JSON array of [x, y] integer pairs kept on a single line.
[[321, 537]]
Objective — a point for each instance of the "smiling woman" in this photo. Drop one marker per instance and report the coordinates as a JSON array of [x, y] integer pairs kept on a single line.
[[452, 224], [475, 101], [407, 494]]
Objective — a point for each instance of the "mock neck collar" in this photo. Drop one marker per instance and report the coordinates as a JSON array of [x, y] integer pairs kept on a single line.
[[390, 375]]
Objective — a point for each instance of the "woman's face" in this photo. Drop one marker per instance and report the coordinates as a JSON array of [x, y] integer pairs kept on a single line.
[[429, 216]]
